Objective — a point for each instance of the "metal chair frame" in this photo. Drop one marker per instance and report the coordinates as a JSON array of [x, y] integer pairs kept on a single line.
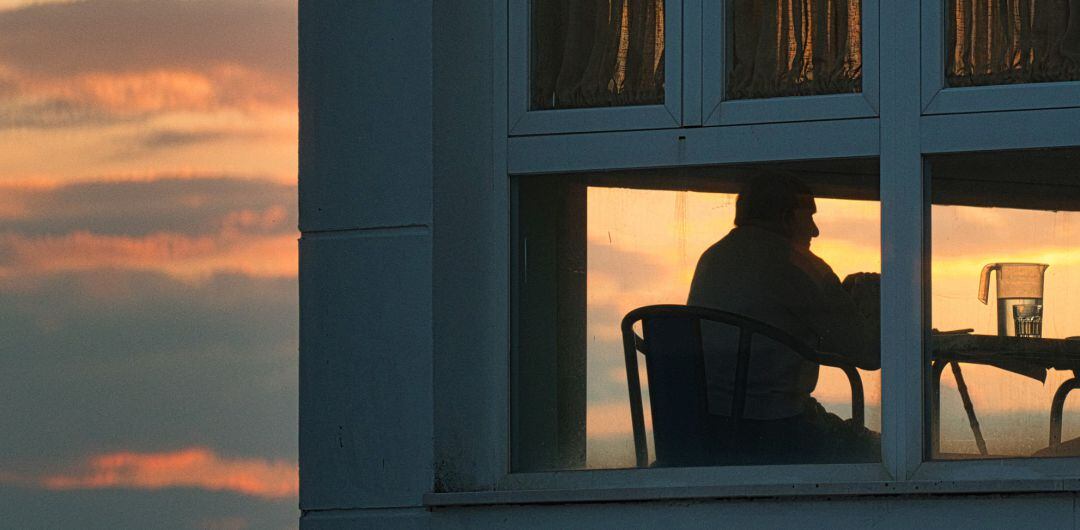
[[1057, 407], [633, 343]]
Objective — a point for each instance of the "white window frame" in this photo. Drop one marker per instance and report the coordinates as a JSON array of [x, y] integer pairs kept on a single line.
[[937, 99], [583, 153], [993, 131], [718, 110], [523, 121]]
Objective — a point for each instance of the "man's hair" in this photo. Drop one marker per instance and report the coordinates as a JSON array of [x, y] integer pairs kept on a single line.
[[769, 197]]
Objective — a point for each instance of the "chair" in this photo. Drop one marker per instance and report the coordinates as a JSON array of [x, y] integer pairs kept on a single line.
[[684, 431]]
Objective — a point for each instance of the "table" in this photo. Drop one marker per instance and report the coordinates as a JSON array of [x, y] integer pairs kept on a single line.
[[1025, 356]]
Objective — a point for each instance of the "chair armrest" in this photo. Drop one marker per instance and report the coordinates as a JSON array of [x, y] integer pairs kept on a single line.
[[858, 401], [858, 406], [1057, 408]]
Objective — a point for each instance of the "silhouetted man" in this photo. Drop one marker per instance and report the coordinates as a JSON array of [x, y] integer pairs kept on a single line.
[[764, 269]]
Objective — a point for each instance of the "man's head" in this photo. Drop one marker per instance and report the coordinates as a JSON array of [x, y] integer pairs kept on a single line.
[[780, 203]]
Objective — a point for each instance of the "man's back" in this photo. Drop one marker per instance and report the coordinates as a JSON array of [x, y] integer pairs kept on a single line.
[[760, 274]]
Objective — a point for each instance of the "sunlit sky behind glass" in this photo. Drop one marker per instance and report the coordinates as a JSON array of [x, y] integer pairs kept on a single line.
[[644, 246], [148, 324]]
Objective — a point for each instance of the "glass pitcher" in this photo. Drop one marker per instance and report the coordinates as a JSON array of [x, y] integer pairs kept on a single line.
[[1018, 284]]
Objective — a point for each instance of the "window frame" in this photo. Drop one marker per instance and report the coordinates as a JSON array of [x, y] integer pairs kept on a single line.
[[717, 110], [972, 133], [583, 153], [523, 121], [478, 459], [939, 99]]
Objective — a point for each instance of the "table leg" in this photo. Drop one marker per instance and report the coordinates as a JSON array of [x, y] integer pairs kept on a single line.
[[969, 408]]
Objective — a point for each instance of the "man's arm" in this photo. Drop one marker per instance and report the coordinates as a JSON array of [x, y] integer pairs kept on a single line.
[[842, 328]]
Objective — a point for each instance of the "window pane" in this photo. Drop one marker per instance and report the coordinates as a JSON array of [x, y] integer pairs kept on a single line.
[[794, 48], [597, 53], [591, 251], [999, 42], [1005, 274]]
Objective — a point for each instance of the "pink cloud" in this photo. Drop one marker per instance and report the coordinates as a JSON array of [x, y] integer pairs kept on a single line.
[[102, 62], [179, 256], [127, 94], [194, 467]]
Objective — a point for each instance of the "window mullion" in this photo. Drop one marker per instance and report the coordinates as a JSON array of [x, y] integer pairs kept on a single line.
[[903, 253]]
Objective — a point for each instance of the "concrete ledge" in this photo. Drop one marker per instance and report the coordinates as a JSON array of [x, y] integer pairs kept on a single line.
[[853, 489]]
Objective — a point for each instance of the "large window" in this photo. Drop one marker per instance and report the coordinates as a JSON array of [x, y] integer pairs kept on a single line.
[[592, 248], [1005, 277]]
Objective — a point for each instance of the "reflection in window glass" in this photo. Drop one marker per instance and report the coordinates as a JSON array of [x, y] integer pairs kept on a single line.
[[998, 42], [597, 53], [639, 247], [1005, 275], [794, 48]]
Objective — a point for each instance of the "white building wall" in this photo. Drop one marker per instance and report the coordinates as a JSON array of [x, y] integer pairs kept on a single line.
[[365, 253]]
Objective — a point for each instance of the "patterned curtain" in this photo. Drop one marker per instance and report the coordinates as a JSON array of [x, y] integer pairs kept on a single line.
[[597, 53], [997, 42], [795, 48]]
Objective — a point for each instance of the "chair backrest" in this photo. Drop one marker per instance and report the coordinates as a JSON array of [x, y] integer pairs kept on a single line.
[[684, 431], [678, 397]]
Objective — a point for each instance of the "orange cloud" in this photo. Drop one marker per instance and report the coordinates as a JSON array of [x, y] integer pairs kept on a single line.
[[16, 4], [161, 90], [144, 91], [188, 468], [183, 257], [248, 220]]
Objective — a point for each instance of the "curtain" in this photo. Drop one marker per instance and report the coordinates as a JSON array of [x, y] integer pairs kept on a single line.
[[597, 53], [995, 42], [795, 48]]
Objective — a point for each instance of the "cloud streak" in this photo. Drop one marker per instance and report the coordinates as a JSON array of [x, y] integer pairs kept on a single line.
[[186, 228], [187, 468], [59, 40], [186, 258], [187, 206], [101, 62]]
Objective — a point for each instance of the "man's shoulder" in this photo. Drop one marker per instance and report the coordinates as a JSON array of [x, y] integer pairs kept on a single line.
[[814, 266], [751, 246]]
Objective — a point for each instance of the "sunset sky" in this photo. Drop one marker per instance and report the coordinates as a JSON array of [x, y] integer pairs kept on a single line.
[[148, 271], [148, 330]]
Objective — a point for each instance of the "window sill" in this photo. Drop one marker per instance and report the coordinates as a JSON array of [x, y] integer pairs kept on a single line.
[[850, 489]]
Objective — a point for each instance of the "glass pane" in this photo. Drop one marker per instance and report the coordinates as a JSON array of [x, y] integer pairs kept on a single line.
[[1005, 273], [593, 248], [597, 53], [794, 48], [1000, 42]]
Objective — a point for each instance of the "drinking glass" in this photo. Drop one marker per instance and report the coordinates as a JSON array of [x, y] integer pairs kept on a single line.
[[1028, 320]]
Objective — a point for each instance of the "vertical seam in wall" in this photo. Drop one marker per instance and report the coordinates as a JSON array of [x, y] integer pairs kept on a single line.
[[1074, 511]]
